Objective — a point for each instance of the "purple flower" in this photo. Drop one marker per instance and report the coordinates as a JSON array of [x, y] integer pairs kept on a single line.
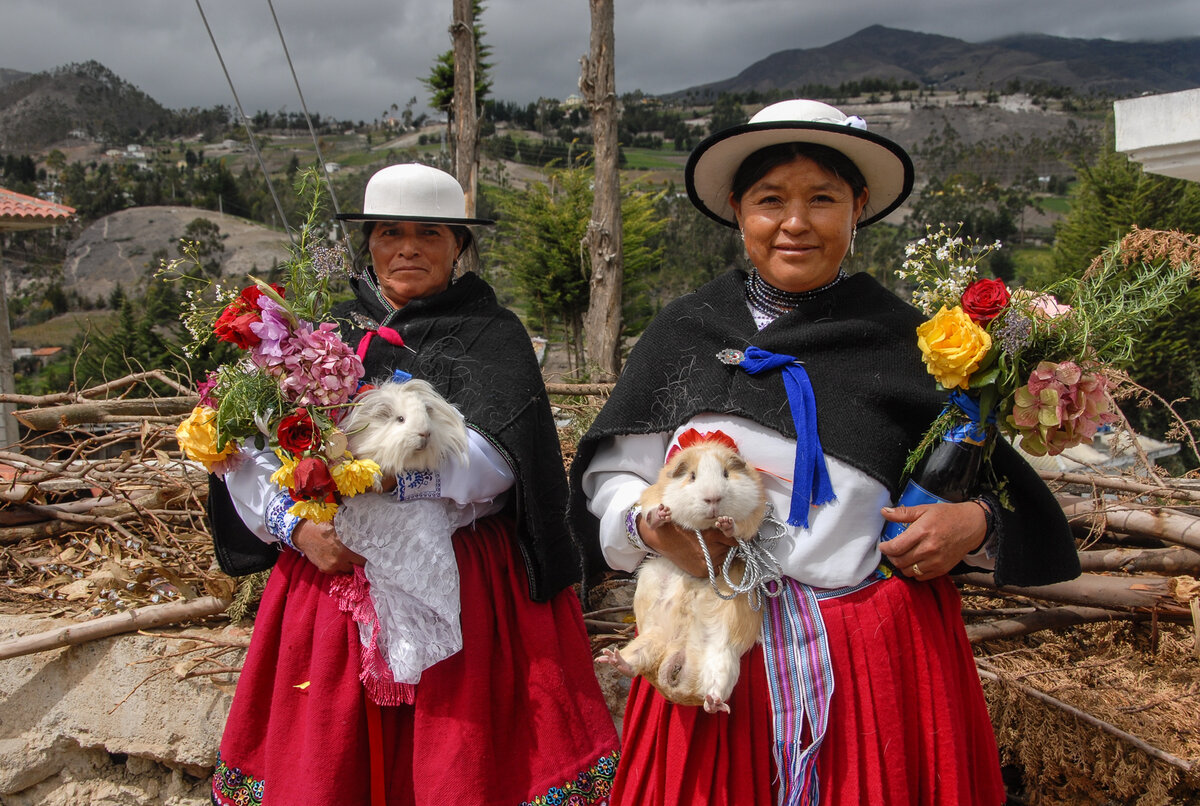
[[273, 330], [319, 369]]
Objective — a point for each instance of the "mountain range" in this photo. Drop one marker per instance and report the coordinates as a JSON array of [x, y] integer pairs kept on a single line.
[[38, 110], [1084, 66]]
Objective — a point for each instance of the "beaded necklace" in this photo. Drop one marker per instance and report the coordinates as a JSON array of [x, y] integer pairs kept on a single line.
[[768, 299]]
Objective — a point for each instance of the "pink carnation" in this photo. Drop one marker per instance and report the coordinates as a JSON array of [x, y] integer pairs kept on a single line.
[[205, 390], [319, 368], [1059, 408]]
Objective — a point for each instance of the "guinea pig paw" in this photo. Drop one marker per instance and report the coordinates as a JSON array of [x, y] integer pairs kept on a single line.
[[714, 704], [659, 515], [612, 657], [725, 524]]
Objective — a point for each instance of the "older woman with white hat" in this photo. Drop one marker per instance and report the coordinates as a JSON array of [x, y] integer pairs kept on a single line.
[[516, 714], [863, 689]]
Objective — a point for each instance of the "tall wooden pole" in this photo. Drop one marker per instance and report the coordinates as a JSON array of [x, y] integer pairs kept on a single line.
[[466, 164], [8, 425], [602, 322]]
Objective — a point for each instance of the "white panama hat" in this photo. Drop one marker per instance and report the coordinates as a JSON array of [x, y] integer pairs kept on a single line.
[[414, 192], [884, 164]]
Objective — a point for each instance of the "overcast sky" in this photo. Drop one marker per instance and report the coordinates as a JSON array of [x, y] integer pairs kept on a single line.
[[355, 58]]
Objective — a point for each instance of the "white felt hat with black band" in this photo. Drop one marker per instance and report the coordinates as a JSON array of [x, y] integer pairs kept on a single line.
[[885, 166], [414, 192]]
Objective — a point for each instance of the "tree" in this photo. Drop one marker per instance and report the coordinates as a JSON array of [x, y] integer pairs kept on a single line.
[[541, 246], [440, 81], [465, 104], [210, 250], [1112, 196], [726, 112], [602, 324]]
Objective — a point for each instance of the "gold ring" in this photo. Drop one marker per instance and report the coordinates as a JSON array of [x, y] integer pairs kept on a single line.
[[916, 571]]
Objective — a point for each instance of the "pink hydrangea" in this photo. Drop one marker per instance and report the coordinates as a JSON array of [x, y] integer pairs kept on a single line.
[[1059, 408], [319, 369]]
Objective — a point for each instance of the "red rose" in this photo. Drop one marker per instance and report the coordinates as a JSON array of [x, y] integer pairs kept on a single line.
[[233, 325], [250, 294], [312, 480], [298, 433], [984, 299]]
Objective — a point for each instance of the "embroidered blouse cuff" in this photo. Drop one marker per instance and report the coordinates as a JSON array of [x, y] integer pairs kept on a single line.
[[631, 529], [414, 484], [280, 522]]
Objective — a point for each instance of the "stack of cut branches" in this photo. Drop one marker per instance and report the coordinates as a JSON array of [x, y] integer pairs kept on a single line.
[[99, 512]]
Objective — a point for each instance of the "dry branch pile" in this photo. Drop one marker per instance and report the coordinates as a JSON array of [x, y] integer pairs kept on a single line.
[[1094, 684], [100, 512]]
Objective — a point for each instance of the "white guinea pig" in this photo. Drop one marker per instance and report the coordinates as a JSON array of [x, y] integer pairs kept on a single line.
[[690, 640], [705, 486], [405, 426]]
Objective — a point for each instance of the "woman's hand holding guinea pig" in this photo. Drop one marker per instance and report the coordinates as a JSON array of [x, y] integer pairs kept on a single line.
[[319, 543], [938, 537], [681, 547]]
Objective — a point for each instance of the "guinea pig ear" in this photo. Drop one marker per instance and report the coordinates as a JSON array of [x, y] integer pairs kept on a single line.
[[681, 469], [735, 462]]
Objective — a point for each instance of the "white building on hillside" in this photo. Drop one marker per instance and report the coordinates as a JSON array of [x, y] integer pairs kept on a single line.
[[1162, 132]]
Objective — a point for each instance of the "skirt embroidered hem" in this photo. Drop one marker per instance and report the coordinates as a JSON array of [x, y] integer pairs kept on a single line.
[[513, 716], [908, 723]]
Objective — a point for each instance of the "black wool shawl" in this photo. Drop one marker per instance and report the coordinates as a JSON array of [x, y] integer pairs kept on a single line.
[[874, 399], [478, 355]]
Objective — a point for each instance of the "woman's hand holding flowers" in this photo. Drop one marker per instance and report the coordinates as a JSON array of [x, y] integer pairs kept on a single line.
[[938, 537]]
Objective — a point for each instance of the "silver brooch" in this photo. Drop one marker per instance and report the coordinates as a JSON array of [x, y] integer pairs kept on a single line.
[[732, 357]]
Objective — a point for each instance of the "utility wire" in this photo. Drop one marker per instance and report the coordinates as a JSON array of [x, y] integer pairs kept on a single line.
[[246, 125], [311, 130]]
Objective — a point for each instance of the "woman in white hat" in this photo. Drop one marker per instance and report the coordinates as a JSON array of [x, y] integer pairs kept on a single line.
[[516, 714], [864, 688]]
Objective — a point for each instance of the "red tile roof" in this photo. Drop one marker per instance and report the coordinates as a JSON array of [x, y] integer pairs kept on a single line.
[[18, 211]]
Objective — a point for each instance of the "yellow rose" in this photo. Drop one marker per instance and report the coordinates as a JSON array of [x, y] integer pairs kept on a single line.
[[197, 436], [952, 346], [355, 476]]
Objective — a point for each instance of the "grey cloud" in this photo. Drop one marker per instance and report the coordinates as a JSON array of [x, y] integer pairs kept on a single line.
[[355, 59]]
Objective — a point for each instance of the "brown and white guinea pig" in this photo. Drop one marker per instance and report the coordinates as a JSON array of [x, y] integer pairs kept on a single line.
[[690, 641], [404, 426]]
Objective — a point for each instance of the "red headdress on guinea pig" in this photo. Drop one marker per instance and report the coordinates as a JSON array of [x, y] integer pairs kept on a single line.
[[692, 437]]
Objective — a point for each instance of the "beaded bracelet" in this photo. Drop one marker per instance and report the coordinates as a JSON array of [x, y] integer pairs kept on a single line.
[[988, 504], [989, 515], [631, 530]]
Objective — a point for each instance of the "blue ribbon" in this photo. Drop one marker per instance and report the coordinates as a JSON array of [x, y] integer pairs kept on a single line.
[[400, 376], [810, 480], [968, 405]]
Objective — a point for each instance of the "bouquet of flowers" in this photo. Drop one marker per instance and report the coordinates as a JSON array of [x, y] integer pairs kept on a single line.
[[292, 383], [1020, 360]]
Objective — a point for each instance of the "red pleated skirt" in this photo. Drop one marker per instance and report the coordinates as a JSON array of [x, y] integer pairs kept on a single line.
[[908, 723], [513, 717]]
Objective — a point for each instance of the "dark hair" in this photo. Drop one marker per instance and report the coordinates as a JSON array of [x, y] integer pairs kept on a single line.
[[362, 255], [761, 162]]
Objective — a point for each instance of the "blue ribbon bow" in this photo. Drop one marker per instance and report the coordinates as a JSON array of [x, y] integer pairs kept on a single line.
[[400, 376], [810, 480]]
